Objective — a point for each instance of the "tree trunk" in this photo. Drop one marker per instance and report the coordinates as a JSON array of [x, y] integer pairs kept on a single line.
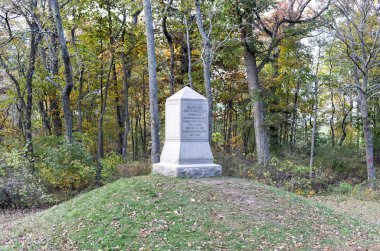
[[358, 130], [34, 41], [229, 131], [143, 142], [224, 126], [136, 132], [169, 38], [305, 129], [55, 114], [294, 116], [126, 78], [127, 71], [315, 114], [44, 118], [314, 132], [261, 136], [332, 126], [133, 141], [79, 106], [246, 129], [100, 148], [119, 115], [344, 123], [99, 152], [54, 109], [68, 116], [188, 53], [154, 113], [81, 78], [206, 59], [68, 72], [273, 109], [141, 131], [144, 124], [368, 140]]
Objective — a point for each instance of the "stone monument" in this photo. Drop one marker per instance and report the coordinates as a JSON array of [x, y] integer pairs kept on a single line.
[[187, 151]]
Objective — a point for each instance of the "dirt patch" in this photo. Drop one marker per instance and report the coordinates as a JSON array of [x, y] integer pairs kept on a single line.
[[237, 191]]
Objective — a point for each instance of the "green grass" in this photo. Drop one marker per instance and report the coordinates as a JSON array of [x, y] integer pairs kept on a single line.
[[156, 213]]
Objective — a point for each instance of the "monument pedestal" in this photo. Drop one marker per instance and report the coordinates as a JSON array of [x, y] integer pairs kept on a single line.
[[187, 171], [187, 151]]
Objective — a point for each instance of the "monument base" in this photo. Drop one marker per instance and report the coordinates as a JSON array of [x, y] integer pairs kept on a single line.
[[187, 170]]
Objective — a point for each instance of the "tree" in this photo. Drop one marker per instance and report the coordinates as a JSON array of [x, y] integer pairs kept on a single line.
[[35, 38], [154, 113], [66, 91], [315, 113], [206, 59], [100, 148], [127, 72], [52, 65], [80, 66], [358, 28], [254, 63], [169, 39], [189, 62], [260, 36], [34, 41]]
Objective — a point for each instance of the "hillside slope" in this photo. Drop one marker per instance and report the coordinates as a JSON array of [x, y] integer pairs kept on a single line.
[[156, 213]]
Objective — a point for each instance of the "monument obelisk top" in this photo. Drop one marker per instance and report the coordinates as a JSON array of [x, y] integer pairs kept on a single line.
[[186, 93]]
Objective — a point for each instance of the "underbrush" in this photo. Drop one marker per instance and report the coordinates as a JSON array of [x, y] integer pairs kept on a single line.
[[343, 162], [336, 170], [341, 188], [357, 191], [65, 167], [19, 185], [57, 172], [114, 167]]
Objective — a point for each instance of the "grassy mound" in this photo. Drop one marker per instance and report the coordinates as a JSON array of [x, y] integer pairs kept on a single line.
[[156, 213]]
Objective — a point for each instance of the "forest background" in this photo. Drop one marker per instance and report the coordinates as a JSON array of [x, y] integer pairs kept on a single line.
[[292, 88]]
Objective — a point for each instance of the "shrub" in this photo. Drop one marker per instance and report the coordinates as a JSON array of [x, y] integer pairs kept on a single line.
[[236, 165], [343, 162], [66, 166], [217, 140], [110, 165], [363, 192], [115, 167], [286, 174], [342, 188], [19, 187]]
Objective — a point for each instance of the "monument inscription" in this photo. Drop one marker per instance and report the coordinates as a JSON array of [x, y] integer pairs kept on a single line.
[[194, 121]]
